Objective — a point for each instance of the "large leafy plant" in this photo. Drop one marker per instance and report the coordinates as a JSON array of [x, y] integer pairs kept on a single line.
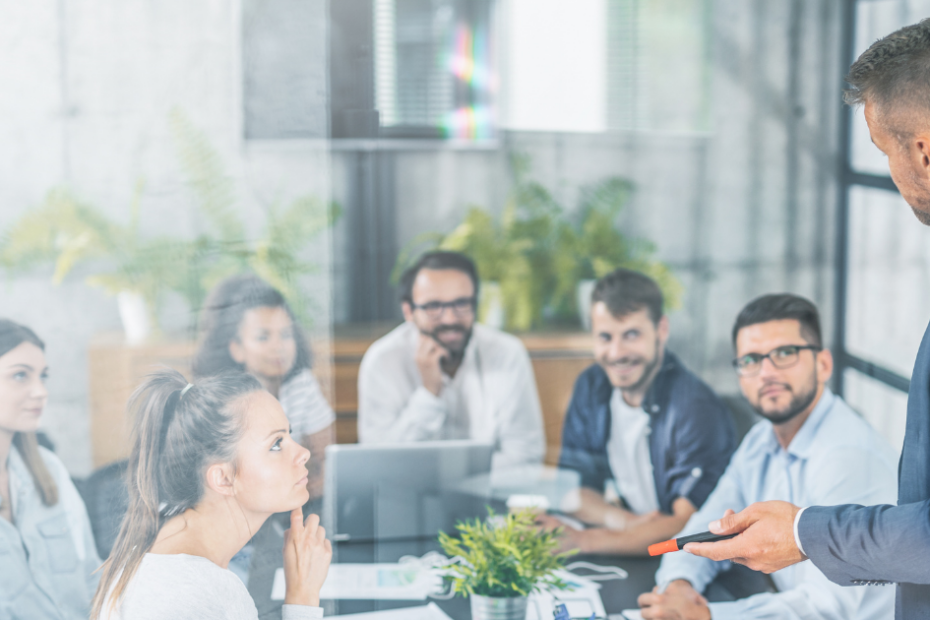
[[503, 556], [67, 231], [537, 252], [591, 245], [512, 250]]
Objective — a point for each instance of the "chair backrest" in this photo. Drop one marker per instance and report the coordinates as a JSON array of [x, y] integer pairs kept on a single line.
[[107, 500]]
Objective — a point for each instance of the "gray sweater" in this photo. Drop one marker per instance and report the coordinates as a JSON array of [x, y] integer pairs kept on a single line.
[[182, 586]]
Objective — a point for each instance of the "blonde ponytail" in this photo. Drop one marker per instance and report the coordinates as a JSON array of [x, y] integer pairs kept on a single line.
[[178, 431]]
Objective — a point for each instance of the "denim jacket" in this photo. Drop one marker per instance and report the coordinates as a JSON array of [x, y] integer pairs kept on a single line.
[[47, 555], [691, 434]]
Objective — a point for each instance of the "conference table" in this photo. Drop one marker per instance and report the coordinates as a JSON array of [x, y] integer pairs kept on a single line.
[[617, 594]]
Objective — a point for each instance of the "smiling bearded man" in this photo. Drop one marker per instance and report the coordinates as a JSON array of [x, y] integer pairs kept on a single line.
[[640, 427]]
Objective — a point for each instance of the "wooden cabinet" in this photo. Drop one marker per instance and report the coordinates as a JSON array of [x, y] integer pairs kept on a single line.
[[116, 369]]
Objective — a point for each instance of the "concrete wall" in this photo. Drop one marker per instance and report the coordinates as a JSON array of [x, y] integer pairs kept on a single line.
[[87, 89]]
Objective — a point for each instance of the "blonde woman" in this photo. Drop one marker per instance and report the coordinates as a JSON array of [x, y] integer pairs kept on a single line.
[[211, 461]]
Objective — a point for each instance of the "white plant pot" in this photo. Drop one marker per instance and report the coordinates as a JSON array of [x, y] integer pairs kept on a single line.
[[491, 305], [583, 300], [493, 608], [134, 314]]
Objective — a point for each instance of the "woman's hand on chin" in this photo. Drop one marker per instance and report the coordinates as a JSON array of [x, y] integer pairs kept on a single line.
[[307, 555]]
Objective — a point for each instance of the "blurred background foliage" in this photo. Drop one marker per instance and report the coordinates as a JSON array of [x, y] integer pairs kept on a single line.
[[67, 231], [537, 252]]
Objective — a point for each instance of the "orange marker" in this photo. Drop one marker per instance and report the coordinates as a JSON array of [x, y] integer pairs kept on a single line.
[[677, 544]]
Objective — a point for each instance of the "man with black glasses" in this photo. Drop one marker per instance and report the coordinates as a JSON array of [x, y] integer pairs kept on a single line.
[[441, 376], [811, 449]]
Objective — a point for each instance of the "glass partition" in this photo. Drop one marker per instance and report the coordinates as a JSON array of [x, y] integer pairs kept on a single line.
[[173, 163]]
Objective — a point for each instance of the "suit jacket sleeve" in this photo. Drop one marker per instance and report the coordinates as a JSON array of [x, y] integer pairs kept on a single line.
[[887, 543]]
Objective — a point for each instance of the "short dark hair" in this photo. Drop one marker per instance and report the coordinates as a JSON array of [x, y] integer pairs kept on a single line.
[[222, 313], [778, 308], [438, 260], [625, 291], [894, 70]]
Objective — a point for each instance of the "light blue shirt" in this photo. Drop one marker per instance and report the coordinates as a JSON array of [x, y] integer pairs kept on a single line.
[[836, 458], [47, 555]]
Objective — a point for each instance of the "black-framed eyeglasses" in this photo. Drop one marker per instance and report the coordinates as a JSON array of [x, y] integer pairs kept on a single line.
[[787, 356], [462, 308]]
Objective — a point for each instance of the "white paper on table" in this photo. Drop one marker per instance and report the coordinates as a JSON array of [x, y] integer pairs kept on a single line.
[[629, 614], [582, 599], [386, 582], [427, 612]]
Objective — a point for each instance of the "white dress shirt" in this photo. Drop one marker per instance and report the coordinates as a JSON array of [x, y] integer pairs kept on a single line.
[[492, 397], [835, 458]]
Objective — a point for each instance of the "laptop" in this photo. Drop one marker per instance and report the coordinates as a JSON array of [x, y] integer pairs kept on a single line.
[[398, 491]]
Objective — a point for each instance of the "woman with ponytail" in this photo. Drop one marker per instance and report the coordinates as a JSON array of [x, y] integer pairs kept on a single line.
[[210, 462], [47, 552]]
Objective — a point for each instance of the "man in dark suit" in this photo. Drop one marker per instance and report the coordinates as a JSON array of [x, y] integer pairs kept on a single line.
[[856, 545]]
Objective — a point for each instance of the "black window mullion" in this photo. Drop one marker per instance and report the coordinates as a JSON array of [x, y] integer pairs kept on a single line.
[[848, 179]]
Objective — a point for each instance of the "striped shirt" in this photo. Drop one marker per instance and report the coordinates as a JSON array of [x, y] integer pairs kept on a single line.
[[304, 404]]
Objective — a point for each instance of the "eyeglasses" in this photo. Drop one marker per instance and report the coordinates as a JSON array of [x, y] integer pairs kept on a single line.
[[787, 356], [462, 307]]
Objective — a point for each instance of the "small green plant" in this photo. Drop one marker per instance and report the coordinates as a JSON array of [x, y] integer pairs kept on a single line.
[[504, 556]]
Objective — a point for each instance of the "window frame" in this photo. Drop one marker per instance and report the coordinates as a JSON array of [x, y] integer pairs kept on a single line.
[[848, 179]]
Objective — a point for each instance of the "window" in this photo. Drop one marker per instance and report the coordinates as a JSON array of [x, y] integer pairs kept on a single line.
[[434, 75], [883, 298], [884, 407], [598, 65]]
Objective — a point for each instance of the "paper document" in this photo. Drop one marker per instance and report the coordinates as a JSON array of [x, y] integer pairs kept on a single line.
[[427, 612], [385, 582], [629, 614], [582, 598]]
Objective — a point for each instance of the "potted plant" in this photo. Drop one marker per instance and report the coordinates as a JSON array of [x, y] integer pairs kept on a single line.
[[512, 251], [501, 561], [542, 262], [591, 245]]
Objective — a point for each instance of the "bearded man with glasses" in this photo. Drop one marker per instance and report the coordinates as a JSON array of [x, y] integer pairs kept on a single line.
[[810, 449], [439, 375]]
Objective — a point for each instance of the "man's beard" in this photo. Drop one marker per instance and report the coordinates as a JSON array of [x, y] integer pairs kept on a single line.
[[648, 368], [799, 403], [456, 352], [923, 216]]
